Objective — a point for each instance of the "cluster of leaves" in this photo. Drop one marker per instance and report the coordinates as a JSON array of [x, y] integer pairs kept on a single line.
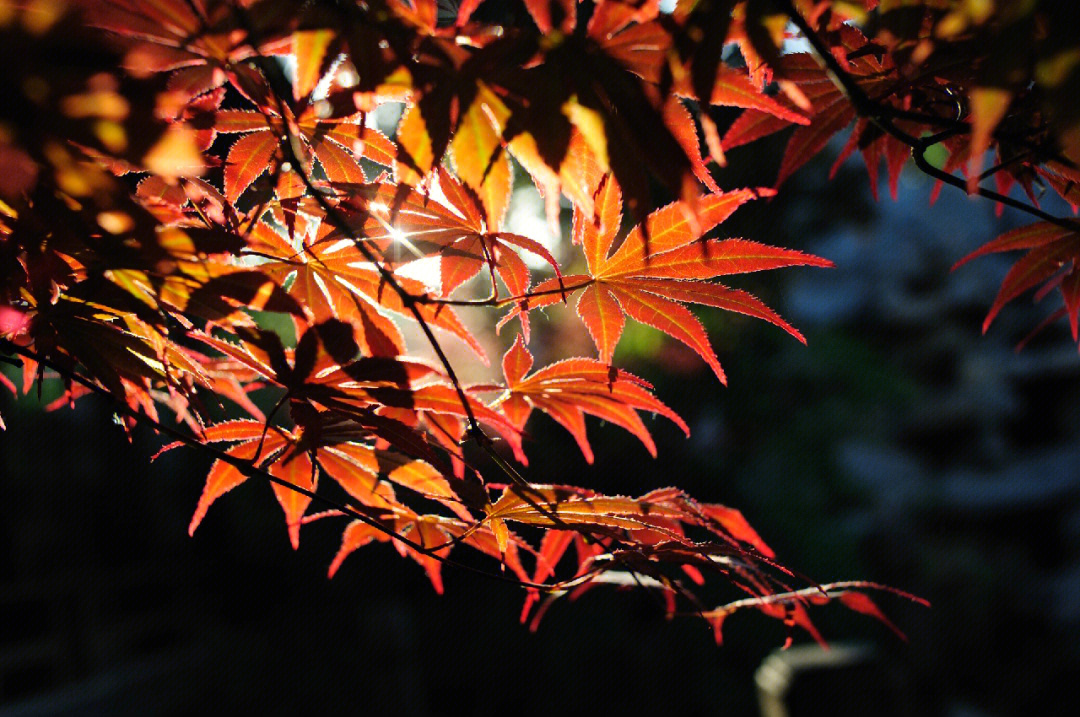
[[173, 167], [988, 83]]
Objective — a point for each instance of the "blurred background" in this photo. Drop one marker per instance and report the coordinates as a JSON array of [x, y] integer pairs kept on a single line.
[[900, 446]]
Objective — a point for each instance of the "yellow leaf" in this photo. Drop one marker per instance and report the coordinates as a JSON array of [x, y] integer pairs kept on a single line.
[[591, 125], [988, 106], [176, 154], [413, 138]]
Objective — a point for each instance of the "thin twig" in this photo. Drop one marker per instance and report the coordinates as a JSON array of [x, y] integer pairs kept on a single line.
[[496, 302], [837, 589], [918, 153]]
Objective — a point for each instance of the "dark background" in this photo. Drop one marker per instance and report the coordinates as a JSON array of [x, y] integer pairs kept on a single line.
[[900, 446]]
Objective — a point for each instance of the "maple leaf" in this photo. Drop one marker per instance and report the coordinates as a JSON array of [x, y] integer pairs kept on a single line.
[[1052, 257], [621, 119], [479, 156], [437, 403], [336, 143], [275, 449], [553, 14], [319, 377], [402, 222], [554, 505], [569, 389], [534, 90], [875, 144], [654, 522], [1063, 180], [331, 445], [572, 178], [438, 534], [314, 53], [333, 279], [202, 43], [386, 396], [650, 279], [258, 443], [129, 357], [828, 109], [632, 538]]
